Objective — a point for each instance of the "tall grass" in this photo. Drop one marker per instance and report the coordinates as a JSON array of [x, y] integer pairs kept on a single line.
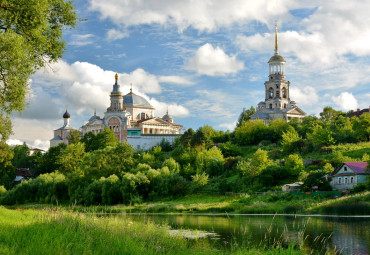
[[358, 204], [55, 231]]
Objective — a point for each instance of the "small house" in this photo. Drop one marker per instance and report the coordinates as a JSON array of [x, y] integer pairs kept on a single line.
[[23, 174], [348, 175], [292, 187]]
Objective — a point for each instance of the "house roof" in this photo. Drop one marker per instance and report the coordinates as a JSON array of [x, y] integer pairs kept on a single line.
[[358, 113], [357, 167]]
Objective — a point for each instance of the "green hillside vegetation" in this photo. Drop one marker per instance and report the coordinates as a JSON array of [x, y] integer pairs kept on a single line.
[[97, 170]]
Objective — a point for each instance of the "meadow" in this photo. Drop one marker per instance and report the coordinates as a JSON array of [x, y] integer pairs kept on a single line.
[[59, 231]]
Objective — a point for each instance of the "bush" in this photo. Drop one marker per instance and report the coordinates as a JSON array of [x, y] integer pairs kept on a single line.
[[2, 190]]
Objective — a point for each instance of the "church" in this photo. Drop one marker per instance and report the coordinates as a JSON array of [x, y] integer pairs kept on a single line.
[[277, 104], [131, 118]]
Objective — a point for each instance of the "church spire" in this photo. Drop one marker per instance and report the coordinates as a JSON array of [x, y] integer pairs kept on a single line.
[[131, 87], [276, 39]]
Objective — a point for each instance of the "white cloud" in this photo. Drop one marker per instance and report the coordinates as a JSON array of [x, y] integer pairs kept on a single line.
[[307, 96], [346, 101], [114, 34], [174, 109], [228, 125], [213, 62], [82, 40], [175, 80], [41, 105], [201, 15]]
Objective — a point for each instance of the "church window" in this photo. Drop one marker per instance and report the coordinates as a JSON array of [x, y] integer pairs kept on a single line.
[[270, 105], [143, 116], [271, 93], [277, 86], [284, 106], [277, 93], [284, 93]]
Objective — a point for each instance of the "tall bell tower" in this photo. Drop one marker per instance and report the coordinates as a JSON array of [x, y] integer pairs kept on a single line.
[[277, 88]]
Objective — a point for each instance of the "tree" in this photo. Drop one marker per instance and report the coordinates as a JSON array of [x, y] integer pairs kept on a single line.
[[291, 141], [21, 156], [7, 171], [71, 157], [100, 141], [251, 132], [185, 139], [329, 114], [362, 127], [74, 136], [245, 115], [316, 179], [30, 36], [294, 164]]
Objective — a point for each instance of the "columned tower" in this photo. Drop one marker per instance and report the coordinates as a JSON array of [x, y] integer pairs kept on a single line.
[[277, 88]]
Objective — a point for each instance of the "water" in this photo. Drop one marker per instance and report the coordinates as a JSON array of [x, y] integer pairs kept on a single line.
[[318, 235]]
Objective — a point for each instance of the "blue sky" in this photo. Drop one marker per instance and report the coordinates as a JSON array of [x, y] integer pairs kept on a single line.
[[204, 60]]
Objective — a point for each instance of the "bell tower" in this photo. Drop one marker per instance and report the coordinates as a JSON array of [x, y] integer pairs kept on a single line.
[[277, 88], [116, 98]]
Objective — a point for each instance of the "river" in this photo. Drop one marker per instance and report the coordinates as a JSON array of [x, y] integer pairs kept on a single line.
[[316, 234]]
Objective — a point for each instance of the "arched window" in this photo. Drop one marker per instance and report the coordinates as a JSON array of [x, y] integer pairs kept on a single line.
[[284, 92], [352, 179], [271, 93], [143, 116], [270, 105], [339, 180], [284, 106]]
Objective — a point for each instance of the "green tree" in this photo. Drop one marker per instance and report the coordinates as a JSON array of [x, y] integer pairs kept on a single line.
[[277, 127], [7, 171], [361, 127], [251, 132], [294, 164], [21, 156], [74, 136], [245, 115], [260, 160], [30, 36], [321, 136], [329, 114], [172, 165], [316, 179], [291, 141], [186, 138], [100, 141], [71, 157], [48, 163]]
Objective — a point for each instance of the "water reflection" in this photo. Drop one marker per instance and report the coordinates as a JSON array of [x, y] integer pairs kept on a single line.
[[320, 235]]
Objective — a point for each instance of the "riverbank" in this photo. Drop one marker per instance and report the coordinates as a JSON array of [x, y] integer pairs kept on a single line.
[[58, 231], [271, 203], [274, 203]]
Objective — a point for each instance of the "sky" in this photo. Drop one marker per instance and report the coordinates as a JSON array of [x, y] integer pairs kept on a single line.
[[204, 60]]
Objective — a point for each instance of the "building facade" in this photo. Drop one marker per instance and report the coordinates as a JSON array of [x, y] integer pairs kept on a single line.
[[61, 134], [131, 118], [277, 104], [348, 175]]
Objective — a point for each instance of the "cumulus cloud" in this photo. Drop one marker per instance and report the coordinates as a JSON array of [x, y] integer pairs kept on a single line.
[[40, 105], [213, 62], [335, 29], [346, 101], [114, 34], [228, 125], [306, 96], [201, 15]]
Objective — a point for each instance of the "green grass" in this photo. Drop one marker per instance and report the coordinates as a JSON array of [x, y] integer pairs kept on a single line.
[[56, 231], [358, 204], [271, 203]]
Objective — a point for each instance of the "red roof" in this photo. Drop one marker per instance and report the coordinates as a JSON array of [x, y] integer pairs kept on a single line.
[[357, 167], [25, 172]]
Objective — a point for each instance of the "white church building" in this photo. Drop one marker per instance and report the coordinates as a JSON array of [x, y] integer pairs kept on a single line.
[[131, 118]]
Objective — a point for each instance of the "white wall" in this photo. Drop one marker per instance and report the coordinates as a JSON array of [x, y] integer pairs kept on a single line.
[[146, 142]]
